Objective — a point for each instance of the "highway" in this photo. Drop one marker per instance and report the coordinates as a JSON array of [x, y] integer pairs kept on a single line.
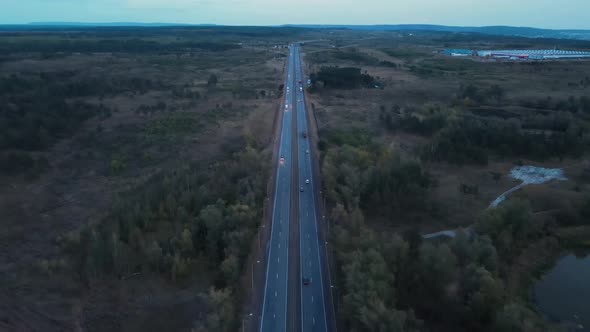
[[274, 307], [313, 307], [289, 303]]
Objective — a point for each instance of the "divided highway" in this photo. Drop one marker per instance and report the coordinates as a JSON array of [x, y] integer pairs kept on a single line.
[[294, 298]]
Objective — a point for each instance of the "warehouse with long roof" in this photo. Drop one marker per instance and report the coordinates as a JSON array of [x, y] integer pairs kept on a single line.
[[534, 54]]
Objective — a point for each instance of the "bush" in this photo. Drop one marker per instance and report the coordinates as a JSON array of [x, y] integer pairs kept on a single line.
[[342, 78], [13, 163], [469, 140]]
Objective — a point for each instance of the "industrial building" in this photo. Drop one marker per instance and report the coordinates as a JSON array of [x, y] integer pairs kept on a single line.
[[459, 52], [534, 54], [520, 54]]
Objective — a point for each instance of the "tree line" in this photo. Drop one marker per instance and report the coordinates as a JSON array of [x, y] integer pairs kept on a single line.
[[379, 182], [462, 138], [403, 283], [342, 78], [400, 282], [39, 109], [470, 140], [197, 220], [133, 45], [571, 104]]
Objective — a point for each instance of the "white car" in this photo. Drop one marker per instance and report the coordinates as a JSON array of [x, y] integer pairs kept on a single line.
[[307, 181]]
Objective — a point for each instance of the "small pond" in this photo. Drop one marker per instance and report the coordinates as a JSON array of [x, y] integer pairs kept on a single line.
[[563, 294]]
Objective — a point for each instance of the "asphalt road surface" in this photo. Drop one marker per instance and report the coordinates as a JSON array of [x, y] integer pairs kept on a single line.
[[275, 316], [274, 308], [313, 307]]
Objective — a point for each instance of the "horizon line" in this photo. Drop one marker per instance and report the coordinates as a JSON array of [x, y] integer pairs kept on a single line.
[[139, 23]]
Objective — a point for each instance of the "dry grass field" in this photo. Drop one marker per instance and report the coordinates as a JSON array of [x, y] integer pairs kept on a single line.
[[161, 110], [465, 123], [414, 77]]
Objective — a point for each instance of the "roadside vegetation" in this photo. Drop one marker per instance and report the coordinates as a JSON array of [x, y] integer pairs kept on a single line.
[[134, 164], [196, 222], [428, 152]]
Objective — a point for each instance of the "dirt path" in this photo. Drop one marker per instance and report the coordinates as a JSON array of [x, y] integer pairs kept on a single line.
[[528, 175]]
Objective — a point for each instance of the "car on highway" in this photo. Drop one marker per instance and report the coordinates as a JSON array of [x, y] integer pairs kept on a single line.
[[305, 134], [307, 181], [307, 151], [301, 189], [306, 281]]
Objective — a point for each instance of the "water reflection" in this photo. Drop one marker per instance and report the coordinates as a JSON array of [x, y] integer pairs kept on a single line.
[[563, 294]]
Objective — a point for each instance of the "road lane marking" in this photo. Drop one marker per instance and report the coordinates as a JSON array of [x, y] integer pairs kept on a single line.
[[281, 180]]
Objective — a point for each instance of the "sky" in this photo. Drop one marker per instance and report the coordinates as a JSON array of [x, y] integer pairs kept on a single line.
[[554, 14]]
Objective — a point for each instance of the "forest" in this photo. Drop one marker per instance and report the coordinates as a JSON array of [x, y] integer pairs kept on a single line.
[[132, 162], [428, 153], [342, 78], [460, 136], [135, 45], [193, 221], [396, 284], [37, 110]]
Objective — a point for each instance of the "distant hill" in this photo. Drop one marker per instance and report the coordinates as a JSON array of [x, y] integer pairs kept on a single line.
[[491, 30], [115, 24], [36, 25]]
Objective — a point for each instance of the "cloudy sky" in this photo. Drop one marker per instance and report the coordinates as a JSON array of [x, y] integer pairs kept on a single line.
[[535, 13]]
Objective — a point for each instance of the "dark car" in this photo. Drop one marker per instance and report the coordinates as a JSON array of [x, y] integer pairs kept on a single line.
[[306, 281]]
